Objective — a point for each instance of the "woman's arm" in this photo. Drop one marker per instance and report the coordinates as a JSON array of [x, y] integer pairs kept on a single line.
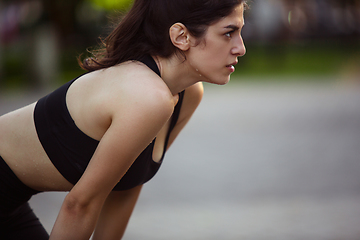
[[115, 214], [134, 125], [120, 204]]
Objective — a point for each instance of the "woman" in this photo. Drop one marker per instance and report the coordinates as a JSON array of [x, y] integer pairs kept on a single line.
[[104, 134]]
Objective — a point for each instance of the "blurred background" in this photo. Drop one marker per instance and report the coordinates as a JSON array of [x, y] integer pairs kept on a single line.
[[275, 154], [40, 39]]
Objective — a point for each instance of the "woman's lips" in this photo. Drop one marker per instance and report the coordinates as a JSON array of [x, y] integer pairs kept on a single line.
[[231, 67]]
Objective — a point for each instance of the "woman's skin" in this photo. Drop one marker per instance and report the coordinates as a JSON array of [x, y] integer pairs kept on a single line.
[[98, 102]]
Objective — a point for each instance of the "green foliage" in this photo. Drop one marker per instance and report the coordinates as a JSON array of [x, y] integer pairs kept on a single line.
[[328, 58], [112, 4]]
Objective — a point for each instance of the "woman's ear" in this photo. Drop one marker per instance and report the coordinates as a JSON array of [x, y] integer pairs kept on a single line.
[[180, 36]]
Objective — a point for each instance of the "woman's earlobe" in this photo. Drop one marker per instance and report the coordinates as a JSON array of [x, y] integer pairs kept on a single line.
[[180, 36]]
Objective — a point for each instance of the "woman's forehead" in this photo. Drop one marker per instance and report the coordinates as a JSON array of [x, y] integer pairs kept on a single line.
[[235, 18]]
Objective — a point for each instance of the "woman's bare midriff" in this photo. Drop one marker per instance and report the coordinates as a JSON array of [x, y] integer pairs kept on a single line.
[[24, 154]]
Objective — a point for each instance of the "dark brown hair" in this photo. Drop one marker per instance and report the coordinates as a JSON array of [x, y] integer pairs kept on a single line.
[[145, 29]]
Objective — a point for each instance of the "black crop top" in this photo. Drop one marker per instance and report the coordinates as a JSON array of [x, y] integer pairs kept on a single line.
[[70, 150]]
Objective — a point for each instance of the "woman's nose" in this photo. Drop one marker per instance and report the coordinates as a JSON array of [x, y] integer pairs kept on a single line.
[[239, 48]]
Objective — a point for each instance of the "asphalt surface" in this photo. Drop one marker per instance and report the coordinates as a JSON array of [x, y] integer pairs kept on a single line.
[[257, 161]]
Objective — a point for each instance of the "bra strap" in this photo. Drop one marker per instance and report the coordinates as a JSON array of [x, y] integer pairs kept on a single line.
[[150, 62]]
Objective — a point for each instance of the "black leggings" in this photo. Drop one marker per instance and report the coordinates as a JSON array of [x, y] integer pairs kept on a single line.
[[17, 219]]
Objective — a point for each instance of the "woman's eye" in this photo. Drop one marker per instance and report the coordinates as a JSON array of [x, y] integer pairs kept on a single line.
[[228, 34]]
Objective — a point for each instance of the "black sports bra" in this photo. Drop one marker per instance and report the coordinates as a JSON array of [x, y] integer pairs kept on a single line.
[[70, 150]]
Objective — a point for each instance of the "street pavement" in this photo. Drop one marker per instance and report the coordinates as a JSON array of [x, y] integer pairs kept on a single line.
[[258, 161]]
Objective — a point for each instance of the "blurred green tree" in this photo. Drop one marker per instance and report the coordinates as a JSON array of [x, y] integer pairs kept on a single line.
[[112, 4], [63, 13]]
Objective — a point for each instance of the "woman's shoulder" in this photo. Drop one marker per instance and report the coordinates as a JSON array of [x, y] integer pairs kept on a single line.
[[133, 84], [139, 80], [99, 97], [127, 80]]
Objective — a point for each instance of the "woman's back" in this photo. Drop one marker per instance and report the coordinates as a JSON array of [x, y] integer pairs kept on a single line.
[[91, 100]]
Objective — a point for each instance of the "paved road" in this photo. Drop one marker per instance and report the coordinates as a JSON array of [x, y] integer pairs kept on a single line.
[[256, 162]]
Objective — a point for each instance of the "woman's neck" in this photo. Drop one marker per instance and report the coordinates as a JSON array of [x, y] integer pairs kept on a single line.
[[176, 73]]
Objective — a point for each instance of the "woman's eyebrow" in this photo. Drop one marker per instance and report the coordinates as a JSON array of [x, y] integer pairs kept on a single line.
[[233, 27]]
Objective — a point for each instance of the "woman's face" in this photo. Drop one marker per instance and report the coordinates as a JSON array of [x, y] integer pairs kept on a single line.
[[214, 58]]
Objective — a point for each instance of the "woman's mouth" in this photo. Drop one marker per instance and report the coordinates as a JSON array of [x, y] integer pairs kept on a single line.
[[231, 68]]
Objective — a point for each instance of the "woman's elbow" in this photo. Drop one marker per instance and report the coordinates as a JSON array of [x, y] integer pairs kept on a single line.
[[80, 205], [75, 206]]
